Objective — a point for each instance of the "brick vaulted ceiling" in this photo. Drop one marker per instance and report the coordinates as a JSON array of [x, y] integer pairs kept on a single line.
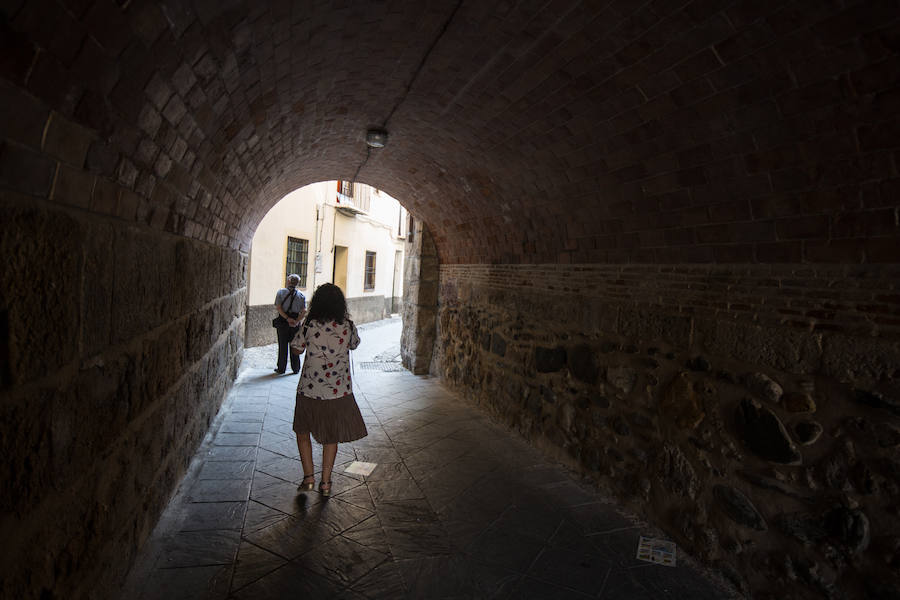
[[521, 131]]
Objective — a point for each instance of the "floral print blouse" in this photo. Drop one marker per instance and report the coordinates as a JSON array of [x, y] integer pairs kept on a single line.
[[326, 368]]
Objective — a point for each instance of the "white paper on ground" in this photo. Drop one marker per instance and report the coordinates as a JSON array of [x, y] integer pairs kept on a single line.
[[360, 468], [657, 551]]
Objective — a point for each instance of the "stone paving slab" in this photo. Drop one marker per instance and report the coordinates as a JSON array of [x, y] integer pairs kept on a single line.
[[457, 507]]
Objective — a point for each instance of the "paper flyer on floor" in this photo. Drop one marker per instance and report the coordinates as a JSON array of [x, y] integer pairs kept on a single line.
[[360, 468], [656, 551]]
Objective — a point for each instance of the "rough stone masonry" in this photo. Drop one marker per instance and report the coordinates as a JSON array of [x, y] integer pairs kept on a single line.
[[762, 440]]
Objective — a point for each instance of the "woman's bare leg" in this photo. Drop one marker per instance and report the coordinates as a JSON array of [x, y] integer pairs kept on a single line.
[[304, 445], [329, 452]]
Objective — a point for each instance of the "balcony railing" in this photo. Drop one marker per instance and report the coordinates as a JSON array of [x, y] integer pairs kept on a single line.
[[359, 203]]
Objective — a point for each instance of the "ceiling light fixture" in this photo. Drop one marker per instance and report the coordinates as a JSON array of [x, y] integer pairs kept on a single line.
[[376, 138]]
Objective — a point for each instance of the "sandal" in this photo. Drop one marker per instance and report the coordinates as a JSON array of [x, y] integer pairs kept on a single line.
[[325, 488], [307, 486]]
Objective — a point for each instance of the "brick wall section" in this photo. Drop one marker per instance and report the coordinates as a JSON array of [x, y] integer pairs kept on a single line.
[[673, 133], [649, 133], [850, 299], [665, 407]]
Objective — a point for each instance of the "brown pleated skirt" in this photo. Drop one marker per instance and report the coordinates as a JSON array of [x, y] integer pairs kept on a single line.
[[330, 421]]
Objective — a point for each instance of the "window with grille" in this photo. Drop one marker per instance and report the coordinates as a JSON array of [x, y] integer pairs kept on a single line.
[[369, 282], [297, 258]]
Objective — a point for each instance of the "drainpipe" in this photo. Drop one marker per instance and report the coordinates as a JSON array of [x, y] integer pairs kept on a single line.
[[317, 257]]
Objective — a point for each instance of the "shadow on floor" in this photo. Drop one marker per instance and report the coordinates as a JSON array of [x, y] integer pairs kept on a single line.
[[457, 507]]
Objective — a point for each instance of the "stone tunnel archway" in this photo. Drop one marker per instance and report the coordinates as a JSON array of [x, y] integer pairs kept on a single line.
[[667, 233]]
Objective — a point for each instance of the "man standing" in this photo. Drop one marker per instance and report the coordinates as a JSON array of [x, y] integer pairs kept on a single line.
[[291, 305]]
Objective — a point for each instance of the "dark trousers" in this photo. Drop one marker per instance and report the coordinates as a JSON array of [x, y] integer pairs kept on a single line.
[[285, 335]]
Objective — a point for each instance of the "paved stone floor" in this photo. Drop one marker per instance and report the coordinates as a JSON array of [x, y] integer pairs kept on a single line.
[[456, 508]]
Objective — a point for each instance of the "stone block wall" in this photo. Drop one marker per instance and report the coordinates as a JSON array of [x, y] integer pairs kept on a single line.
[[393, 305], [752, 412], [364, 309], [259, 331], [420, 287], [121, 343]]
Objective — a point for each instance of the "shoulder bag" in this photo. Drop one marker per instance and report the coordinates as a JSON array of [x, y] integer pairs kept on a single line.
[[280, 321]]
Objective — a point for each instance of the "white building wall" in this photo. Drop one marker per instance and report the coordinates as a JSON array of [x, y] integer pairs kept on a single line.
[[361, 234], [294, 216], [312, 213]]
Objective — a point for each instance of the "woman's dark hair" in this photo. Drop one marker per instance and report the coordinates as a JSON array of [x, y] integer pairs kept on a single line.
[[327, 304]]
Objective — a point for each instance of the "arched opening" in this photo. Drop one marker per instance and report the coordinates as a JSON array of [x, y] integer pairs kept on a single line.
[[339, 232]]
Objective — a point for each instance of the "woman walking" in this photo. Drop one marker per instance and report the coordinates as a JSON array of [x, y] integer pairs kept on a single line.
[[325, 404]]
